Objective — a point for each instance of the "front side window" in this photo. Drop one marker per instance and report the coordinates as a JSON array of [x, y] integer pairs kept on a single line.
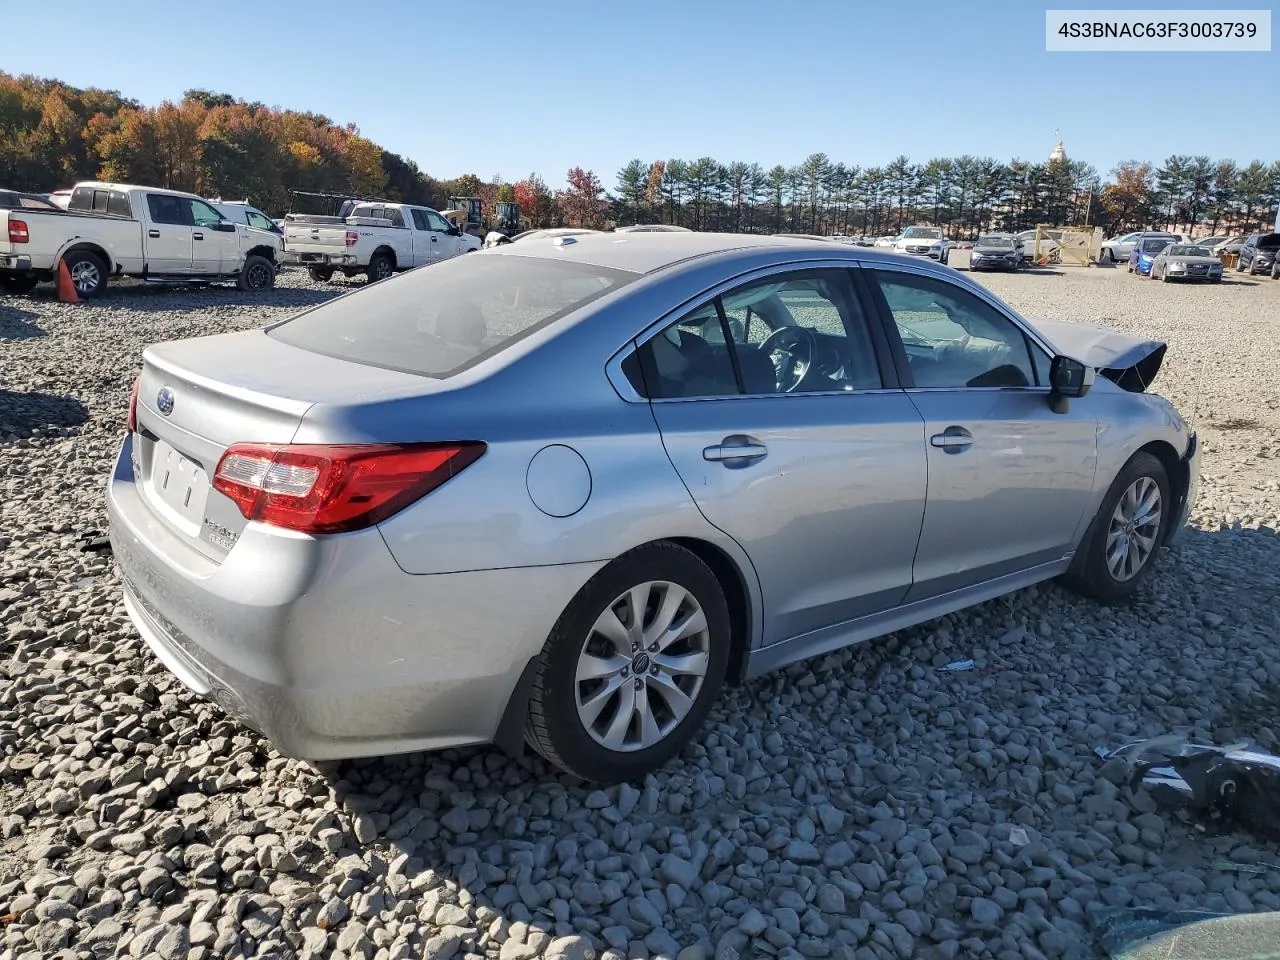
[[255, 219], [437, 222], [953, 338], [792, 333]]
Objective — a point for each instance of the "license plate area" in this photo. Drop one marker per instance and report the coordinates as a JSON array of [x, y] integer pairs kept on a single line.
[[178, 488]]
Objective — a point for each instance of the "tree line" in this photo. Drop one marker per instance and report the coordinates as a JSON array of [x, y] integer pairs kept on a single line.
[[53, 134], [964, 195]]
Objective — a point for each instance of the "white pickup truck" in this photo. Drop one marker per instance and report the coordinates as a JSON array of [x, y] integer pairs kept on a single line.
[[376, 239], [114, 229]]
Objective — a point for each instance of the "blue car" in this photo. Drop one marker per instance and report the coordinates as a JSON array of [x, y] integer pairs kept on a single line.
[[1145, 252]]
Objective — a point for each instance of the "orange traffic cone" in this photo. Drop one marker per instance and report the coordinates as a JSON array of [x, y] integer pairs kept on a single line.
[[66, 289]]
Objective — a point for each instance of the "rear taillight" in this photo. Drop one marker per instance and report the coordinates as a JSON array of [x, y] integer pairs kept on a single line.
[[18, 232], [352, 237], [133, 404], [319, 488]]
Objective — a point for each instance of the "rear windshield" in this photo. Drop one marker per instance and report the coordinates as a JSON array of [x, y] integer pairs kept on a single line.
[[440, 319]]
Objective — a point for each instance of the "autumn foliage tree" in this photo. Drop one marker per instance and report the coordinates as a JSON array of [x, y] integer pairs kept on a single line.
[[582, 202]]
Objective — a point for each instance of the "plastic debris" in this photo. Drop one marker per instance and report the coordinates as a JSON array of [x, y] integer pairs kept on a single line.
[[1235, 784], [957, 665], [1018, 836]]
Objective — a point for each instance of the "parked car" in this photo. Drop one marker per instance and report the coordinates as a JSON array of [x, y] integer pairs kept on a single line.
[[886, 241], [996, 251], [1144, 254], [375, 239], [17, 200], [1186, 261], [1048, 246], [61, 198], [1119, 248], [1228, 247], [115, 229], [652, 228], [1210, 242], [485, 501], [497, 238], [242, 211], [1258, 253], [919, 241]]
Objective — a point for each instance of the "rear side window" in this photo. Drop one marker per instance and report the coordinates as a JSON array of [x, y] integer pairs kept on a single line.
[[81, 200], [166, 208], [118, 204], [439, 320]]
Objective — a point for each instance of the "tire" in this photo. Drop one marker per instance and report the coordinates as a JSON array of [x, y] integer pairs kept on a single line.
[[1090, 573], [320, 274], [1164, 277], [1239, 265], [17, 283], [946, 255], [88, 273], [380, 268], [257, 275], [1275, 270], [556, 727], [1106, 255]]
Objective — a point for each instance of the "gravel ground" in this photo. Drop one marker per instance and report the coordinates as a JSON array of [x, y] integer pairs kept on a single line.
[[862, 805]]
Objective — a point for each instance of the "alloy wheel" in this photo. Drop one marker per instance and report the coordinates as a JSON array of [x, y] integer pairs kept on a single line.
[[642, 666], [1134, 527], [86, 276]]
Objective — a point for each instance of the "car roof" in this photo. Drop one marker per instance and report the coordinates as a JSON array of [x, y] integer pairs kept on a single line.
[[649, 252]]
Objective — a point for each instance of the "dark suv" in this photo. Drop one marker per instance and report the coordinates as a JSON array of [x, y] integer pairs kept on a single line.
[[1258, 255]]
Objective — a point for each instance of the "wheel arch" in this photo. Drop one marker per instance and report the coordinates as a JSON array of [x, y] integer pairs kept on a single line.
[[1177, 469], [387, 252], [262, 250], [743, 617], [89, 246]]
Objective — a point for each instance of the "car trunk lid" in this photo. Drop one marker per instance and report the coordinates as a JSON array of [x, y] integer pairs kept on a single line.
[[198, 397]]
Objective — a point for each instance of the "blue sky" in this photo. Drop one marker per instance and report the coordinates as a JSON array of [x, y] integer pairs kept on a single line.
[[511, 87]]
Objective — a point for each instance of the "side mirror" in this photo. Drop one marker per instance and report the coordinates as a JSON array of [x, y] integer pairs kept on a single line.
[[1068, 378], [225, 226], [455, 231]]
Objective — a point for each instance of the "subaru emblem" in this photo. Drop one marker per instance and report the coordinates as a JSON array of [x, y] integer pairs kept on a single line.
[[164, 401]]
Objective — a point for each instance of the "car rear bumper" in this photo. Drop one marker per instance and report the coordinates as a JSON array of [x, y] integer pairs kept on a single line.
[[307, 259], [15, 263], [324, 644]]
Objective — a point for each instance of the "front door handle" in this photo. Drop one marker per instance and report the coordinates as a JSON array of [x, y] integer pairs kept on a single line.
[[736, 450], [153, 233], [953, 439], [433, 239]]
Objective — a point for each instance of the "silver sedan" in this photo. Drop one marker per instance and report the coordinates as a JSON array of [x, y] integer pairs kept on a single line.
[[562, 491]]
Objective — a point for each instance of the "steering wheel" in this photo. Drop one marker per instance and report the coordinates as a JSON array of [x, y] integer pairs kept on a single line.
[[791, 351]]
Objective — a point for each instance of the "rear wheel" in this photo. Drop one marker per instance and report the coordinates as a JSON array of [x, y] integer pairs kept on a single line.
[[88, 273], [258, 274], [1122, 544], [379, 267], [631, 668], [1107, 256], [17, 282], [320, 274]]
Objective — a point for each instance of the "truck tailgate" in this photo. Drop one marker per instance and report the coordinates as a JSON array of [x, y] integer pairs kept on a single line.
[[315, 238]]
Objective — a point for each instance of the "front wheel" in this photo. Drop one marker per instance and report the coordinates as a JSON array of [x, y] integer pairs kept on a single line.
[[1275, 270], [1122, 544], [258, 274], [632, 666], [17, 282], [1106, 256]]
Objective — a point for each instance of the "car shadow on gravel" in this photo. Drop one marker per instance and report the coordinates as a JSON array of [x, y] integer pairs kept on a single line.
[[23, 413], [18, 324]]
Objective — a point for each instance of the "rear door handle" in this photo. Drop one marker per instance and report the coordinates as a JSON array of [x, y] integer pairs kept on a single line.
[[736, 450], [953, 439], [433, 239], [153, 233], [197, 236]]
